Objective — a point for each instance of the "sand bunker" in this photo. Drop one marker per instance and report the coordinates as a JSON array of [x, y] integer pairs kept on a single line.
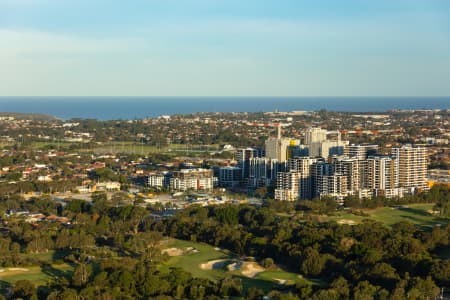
[[191, 250], [346, 221], [18, 269], [280, 281], [179, 252], [237, 265], [173, 252], [251, 269], [12, 271], [214, 264]]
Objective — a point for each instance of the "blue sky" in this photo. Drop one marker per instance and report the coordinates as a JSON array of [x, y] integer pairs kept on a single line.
[[225, 47]]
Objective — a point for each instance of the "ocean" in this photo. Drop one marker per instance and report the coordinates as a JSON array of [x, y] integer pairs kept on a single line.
[[112, 108]]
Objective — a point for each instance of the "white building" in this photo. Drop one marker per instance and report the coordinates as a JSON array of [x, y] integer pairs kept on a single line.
[[412, 166], [320, 146], [315, 135], [332, 186], [277, 148], [382, 173], [263, 172], [350, 168], [109, 186], [303, 166], [287, 186], [158, 180], [192, 179], [361, 152]]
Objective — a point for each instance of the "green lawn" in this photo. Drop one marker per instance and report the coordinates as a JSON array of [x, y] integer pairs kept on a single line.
[[175, 149], [36, 274], [39, 275], [418, 214], [265, 280], [48, 257], [53, 144], [129, 147], [191, 262]]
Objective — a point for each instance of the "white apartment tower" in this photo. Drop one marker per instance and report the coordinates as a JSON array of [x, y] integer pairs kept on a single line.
[[320, 146], [381, 173], [332, 186], [262, 172], [412, 166], [361, 152], [277, 148], [287, 186], [350, 168], [302, 165], [314, 135]]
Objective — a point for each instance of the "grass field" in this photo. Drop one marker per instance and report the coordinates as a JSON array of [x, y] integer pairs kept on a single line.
[[54, 144], [418, 214], [130, 147], [36, 274], [191, 262], [176, 149]]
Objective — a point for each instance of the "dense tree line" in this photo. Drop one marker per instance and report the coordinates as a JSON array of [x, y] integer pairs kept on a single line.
[[115, 253], [366, 261]]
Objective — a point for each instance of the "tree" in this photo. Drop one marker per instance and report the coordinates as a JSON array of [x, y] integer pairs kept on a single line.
[[99, 202], [441, 271], [267, 262], [254, 293], [312, 263], [384, 275], [81, 274], [24, 289], [364, 291], [425, 288], [340, 285], [443, 206], [231, 287], [228, 214]]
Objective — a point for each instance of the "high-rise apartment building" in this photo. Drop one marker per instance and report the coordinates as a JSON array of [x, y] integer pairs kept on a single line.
[[412, 166], [318, 169], [350, 168], [382, 176], [192, 179], [332, 186], [230, 176], [262, 172], [314, 135], [361, 152], [381, 173], [243, 157], [320, 146], [302, 165], [287, 186], [277, 148]]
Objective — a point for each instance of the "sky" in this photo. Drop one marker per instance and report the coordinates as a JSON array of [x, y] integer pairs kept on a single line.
[[224, 48]]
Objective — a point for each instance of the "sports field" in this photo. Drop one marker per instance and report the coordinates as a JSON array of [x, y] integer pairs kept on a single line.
[[128, 147]]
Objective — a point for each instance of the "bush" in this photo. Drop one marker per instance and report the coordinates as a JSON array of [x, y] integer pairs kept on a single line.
[[267, 262]]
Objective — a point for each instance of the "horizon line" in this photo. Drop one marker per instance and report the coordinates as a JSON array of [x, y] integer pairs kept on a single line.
[[212, 96]]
